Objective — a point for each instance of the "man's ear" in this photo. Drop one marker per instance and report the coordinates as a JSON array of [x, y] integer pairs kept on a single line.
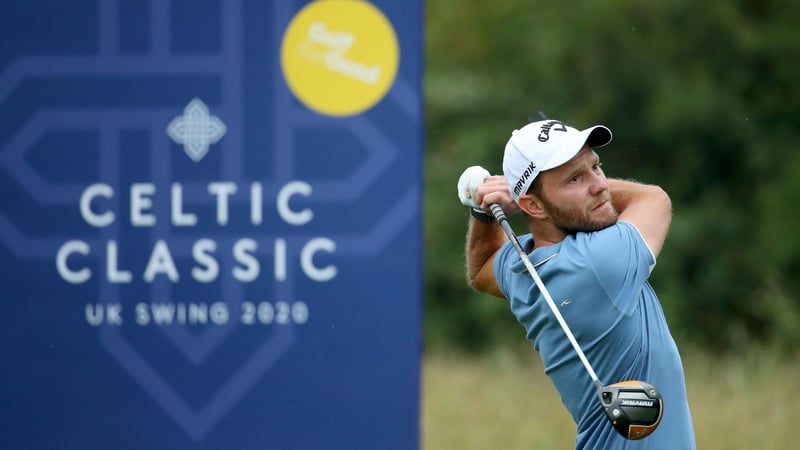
[[533, 206]]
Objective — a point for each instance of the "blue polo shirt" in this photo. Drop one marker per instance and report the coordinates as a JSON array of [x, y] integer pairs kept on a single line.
[[598, 281]]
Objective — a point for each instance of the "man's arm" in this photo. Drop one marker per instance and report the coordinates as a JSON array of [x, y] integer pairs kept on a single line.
[[483, 242], [645, 206], [485, 239]]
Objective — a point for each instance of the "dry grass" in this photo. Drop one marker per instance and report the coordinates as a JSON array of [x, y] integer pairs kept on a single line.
[[504, 401]]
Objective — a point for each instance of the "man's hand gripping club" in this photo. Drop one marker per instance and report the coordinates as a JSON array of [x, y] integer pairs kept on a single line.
[[478, 189]]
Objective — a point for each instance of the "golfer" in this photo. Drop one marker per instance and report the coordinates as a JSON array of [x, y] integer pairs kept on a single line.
[[594, 242]]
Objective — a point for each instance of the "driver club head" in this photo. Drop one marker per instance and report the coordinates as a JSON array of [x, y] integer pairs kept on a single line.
[[634, 408]]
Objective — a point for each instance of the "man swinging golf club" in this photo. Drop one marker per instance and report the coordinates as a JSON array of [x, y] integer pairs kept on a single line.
[[578, 282]]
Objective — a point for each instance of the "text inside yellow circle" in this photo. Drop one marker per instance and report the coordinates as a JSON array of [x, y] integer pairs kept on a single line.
[[339, 57]]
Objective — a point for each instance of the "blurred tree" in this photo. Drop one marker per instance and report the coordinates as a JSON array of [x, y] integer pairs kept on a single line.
[[702, 99]]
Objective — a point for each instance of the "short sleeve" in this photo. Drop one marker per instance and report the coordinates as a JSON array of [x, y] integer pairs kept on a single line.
[[506, 258], [621, 260]]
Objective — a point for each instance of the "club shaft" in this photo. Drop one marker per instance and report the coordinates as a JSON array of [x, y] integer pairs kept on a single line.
[[498, 213]]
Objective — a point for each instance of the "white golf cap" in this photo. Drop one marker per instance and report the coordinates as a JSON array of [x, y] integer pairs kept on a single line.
[[545, 145]]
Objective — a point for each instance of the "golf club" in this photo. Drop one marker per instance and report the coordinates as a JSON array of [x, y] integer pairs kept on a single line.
[[634, 407]]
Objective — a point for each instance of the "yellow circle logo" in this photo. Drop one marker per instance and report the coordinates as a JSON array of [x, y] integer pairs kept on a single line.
[[339, 57]]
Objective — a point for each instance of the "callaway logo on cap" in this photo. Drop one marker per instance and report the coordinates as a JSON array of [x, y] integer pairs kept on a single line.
[[545, 145]]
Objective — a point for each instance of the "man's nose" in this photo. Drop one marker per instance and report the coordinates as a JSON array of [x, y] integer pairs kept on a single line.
[[599, 183]]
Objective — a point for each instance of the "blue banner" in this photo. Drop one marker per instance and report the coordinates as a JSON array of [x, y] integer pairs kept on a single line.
[[210, 224]]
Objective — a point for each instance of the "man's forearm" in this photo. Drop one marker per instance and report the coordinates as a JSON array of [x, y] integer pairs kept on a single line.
[[624, 192], [483, 241], [647, 207]]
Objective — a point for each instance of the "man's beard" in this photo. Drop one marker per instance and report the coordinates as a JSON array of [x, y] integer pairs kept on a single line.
[[571, 221]]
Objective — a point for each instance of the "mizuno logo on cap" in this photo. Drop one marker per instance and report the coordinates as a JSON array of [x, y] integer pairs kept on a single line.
[[530, 170]]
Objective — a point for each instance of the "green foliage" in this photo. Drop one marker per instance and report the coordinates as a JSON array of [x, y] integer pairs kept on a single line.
[[702, 100]]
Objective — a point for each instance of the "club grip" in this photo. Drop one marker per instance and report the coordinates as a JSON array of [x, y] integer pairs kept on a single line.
[[497, 211]]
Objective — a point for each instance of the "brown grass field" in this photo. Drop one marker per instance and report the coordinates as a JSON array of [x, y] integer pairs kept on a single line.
[[504, 401]]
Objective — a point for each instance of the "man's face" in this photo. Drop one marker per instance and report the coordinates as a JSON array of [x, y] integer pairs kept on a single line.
[[576, 196]]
